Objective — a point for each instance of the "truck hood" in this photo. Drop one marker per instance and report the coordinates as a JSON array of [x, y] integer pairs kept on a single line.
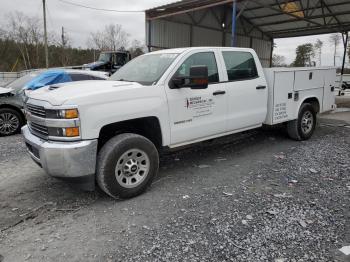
[[59, 94]]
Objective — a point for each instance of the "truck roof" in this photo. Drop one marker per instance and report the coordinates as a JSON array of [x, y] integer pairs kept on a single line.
[[184, 49]]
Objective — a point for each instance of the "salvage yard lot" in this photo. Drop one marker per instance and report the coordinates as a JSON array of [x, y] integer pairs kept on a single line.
[[256, 196]]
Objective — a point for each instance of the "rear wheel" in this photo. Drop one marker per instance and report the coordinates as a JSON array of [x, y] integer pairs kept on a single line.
[[303, 127], [126, 165], [10, 122]]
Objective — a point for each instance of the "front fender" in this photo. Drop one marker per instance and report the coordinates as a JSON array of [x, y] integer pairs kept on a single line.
[[95, 117]]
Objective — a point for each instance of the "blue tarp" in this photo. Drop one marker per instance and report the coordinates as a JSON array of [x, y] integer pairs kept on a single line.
[[48, 78]]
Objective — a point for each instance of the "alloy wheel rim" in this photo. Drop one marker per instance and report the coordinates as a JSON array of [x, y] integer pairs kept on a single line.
[[9, 123], [132, 168], [307, 122]]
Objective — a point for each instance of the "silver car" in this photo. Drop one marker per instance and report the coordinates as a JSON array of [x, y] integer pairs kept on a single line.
[[12, 95]]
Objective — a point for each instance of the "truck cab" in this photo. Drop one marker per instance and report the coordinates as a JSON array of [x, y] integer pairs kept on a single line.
[[113, 131], [109, 61]]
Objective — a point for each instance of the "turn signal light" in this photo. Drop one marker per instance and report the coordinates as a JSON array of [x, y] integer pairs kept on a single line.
[[71, 113], [72, 131], [200, 81]]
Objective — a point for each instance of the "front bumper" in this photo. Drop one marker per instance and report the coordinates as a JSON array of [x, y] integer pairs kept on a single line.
[[66, 160]]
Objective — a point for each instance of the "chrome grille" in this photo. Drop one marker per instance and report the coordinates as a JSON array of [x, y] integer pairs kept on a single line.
[[36, 110], [39, 130]]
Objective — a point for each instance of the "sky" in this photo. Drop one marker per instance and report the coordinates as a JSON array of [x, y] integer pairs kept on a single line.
[[78, 22]]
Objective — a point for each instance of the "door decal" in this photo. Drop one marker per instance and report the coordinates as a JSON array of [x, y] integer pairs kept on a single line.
[[199, 106]]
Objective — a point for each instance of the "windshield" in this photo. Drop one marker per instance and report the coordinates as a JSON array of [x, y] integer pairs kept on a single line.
[[146, 69], [19, 83], [105, 57]]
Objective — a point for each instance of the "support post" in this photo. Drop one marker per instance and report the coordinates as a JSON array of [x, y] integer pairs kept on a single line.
[[345, 36], [191, 35], [45, 36], [149, 35], [271, 54], [234, 14]]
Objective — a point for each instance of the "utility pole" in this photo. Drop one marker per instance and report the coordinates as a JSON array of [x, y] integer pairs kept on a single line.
[[45, 36], [64, 58], [62, 37]]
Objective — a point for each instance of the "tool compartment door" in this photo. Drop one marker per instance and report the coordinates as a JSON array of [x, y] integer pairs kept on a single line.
[[308, 79], [282, 96], [328, 91]]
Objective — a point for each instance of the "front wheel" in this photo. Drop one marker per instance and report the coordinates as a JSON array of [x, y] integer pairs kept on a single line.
[[127, 165], [10, 122], [303, 127]]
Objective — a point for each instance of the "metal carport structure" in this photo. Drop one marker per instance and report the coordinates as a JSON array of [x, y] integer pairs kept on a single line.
[[244, 23]]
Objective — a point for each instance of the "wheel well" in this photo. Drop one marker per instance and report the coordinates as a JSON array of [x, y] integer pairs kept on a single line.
[[148, 127], [314, 102], [13, 108]]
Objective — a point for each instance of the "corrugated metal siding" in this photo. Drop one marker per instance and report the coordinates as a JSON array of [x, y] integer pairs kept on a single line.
[[206, 37], [242, 41], [167, 34], [209, 19], [261, 47], [175, 31], [263, 50]]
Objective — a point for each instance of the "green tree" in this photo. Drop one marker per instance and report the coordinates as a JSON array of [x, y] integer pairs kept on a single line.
[[278, 61], [112, 37], [137, 48], [318, 49], [334, 39], [304, 53]]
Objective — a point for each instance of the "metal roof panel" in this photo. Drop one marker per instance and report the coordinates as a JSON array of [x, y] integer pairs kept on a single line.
[[302, 17]]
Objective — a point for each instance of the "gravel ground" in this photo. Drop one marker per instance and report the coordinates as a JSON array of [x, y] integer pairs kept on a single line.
[[251, 197], [296, 209]]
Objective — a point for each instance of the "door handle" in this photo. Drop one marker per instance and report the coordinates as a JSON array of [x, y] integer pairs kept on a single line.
[[216, 93], [260, 87]]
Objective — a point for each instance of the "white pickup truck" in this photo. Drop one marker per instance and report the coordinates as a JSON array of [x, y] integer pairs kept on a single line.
[[112, 131]]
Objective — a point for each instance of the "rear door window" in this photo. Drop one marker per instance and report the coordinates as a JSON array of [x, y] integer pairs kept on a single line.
[[239, 65]]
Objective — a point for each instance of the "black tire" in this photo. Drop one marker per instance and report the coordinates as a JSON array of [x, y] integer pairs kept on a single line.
[[14, 115], [112, 152], [295, 129]]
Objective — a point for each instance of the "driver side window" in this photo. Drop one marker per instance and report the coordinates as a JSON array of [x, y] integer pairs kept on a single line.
[[200, 59]]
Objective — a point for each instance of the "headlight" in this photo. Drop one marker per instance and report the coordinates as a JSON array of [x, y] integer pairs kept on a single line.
[[70, 115], [62, 113], [64, 131]]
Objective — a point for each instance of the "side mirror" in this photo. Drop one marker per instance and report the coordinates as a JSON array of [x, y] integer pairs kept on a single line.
[[177, 82], [198, 79]]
